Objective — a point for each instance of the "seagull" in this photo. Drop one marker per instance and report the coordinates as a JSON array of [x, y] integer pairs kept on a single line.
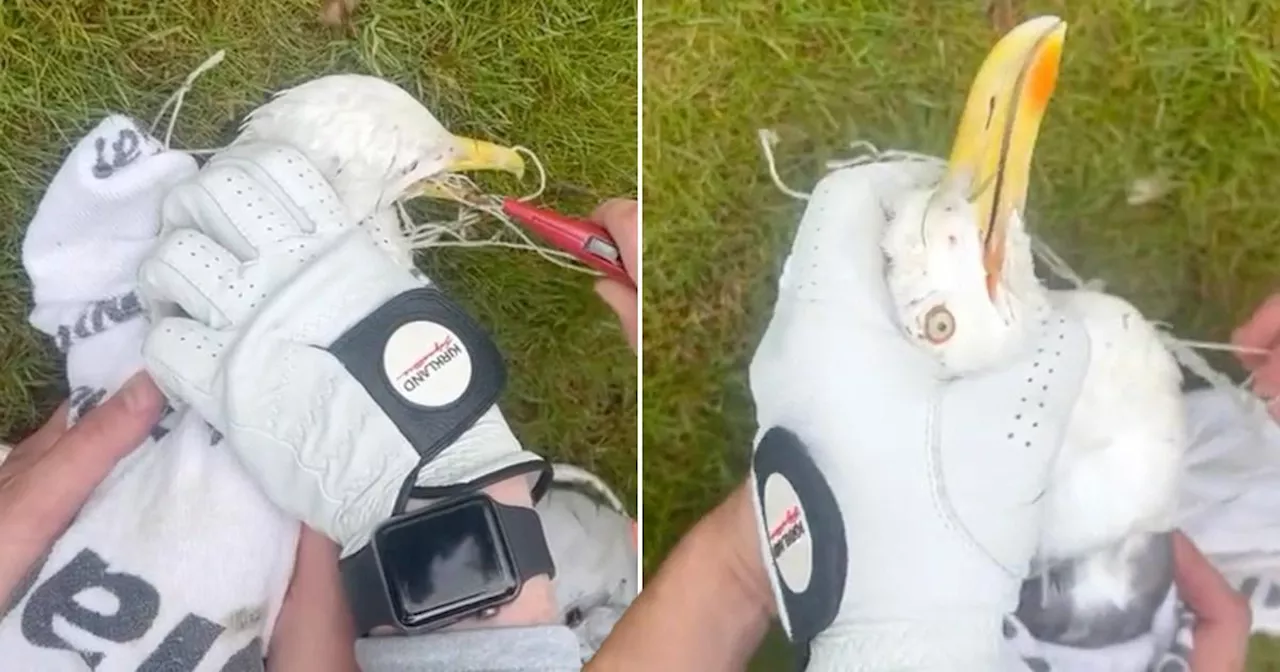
[[962, 278], [376, 144]]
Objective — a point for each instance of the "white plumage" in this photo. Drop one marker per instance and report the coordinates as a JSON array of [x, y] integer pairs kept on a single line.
[[369, 137], [374, 142]]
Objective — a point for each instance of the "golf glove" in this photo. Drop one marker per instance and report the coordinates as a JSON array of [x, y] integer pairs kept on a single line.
[[344, 382], [898, 511]]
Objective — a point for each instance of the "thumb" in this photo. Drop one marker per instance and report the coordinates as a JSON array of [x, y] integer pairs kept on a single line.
[[39, 500], [1221, 635], [624, 302], [83, 456], [1260, 332]]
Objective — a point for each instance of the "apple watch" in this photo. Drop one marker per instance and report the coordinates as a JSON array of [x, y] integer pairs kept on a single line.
[[458, 558]]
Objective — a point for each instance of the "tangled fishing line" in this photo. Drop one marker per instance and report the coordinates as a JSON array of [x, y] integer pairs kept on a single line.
[[464, 229]]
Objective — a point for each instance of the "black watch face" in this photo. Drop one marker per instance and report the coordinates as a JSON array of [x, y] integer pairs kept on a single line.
[[445, 564]]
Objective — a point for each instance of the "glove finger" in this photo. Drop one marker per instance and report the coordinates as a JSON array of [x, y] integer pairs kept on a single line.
[[296, 183], [190, 270], [836, 257], [230, 203], [183, 357]]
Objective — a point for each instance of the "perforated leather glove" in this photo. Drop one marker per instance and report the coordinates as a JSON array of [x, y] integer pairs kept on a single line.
[[898, 511], [341, 379]]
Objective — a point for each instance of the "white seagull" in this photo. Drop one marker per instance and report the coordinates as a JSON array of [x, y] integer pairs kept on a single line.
[[963, 280]]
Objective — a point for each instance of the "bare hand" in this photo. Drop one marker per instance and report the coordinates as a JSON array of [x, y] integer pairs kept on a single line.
[[1220, 639], [618, 216], [47, 478], [1262, 332]]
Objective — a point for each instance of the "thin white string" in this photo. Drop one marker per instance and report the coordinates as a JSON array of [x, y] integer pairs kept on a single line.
[[177, 98], [1059, 267], [768, 140], [474, 202], [1224, 347]]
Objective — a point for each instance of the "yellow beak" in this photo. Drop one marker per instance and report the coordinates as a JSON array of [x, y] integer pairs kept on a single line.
[[991, 158], [470, 155], [481, 155]]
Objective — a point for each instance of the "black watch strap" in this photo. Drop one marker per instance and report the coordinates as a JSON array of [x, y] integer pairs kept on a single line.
[[365, 582], [527, 541]]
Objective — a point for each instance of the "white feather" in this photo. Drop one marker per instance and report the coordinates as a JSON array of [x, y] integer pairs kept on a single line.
[[1118, 471], [368, 136]]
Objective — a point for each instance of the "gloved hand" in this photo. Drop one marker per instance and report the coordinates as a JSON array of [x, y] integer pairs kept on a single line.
[[340, 378], [899, 511]]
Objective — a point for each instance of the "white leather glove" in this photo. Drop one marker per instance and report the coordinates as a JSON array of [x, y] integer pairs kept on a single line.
[[340, 378], [899, 512]]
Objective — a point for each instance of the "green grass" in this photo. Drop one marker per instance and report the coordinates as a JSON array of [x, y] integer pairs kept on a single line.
[[556, 75], [1175, 87]]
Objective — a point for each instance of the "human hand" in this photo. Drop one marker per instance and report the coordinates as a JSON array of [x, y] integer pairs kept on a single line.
[[1220, 636], [47, 478], [1262, 333], [314, 630], [618, 217], [344, 382], [899, 510]]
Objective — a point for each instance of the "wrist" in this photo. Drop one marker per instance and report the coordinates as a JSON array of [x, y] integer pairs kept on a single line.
[[535, 604], [733, 527], [708, 606]]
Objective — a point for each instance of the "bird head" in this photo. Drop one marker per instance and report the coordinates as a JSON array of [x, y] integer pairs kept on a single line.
[[960, 266], [374, 141]]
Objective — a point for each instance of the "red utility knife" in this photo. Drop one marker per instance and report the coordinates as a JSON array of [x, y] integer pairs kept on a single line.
[[589, 242]]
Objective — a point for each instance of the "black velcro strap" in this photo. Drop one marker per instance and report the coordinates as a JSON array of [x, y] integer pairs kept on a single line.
[[431, 368], [805, 530]]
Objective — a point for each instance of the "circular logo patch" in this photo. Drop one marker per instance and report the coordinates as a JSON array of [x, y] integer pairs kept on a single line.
[[790, 542], [427, 364]]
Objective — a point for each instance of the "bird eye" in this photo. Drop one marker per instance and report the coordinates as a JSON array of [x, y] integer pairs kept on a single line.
[[939, 325]]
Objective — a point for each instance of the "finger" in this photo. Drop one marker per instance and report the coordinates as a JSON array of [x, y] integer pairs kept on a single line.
[[295, 183], [619, 217], [623, 301], [228, 202], [50, 493], [1262, 331], [47, 435], [836, 252], [1266, 378], [192, 271], [1221, 634], [1200, 585], [210, 284], [183, 356]]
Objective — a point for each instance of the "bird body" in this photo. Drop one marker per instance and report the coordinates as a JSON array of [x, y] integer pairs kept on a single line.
[[1118, 470]]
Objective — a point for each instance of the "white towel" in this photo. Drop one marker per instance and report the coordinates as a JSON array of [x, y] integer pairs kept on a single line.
[[177, 562]]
